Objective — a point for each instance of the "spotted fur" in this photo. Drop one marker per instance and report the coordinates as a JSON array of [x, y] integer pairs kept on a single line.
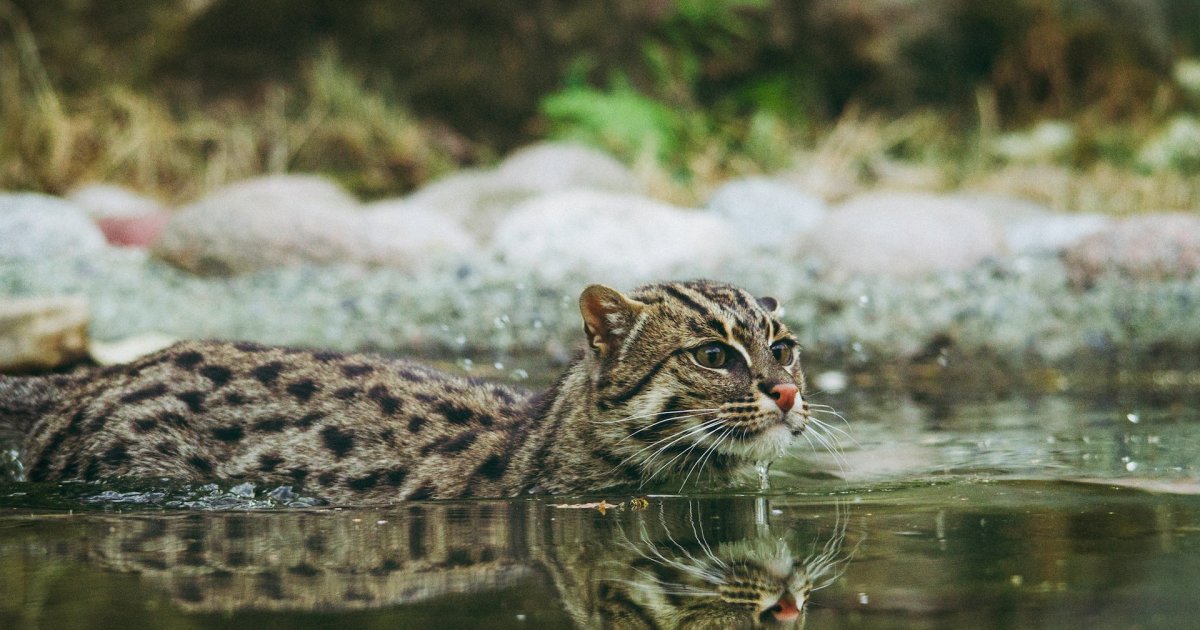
[[638, 406]]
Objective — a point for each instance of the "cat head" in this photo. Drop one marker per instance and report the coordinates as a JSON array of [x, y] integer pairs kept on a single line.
[[691, 375]]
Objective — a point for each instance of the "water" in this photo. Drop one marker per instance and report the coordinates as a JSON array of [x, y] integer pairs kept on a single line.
[[951, 506]]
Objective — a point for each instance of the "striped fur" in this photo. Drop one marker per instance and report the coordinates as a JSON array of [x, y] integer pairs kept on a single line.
[[637, 407]]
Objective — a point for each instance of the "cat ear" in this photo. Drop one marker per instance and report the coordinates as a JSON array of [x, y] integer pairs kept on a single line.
[[607, 314], [769, 303]]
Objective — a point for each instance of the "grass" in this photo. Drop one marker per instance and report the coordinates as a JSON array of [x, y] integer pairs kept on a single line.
[[177, 148]]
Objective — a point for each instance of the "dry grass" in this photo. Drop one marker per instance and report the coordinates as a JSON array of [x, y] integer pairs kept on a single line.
[[329, 123]]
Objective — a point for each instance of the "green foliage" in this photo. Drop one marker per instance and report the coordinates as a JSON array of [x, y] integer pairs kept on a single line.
[[620, 120]]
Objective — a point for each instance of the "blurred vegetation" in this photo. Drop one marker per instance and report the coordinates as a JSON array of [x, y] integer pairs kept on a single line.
[[175, 96]]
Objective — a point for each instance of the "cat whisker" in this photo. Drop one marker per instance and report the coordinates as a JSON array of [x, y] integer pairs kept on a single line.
[[708, 452], [833, 429], [653, 414], [691, 414], [697, 442], [674, 438]]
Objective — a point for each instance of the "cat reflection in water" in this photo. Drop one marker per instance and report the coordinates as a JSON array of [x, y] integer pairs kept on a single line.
[[658, 568]]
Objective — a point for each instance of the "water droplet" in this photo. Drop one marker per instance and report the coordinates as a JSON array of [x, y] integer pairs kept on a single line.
[[1133, 417], [460, 340], [863, 599], [466, 364], [864, 300], [764, 469], [519, 374], [498, 365], [1131, 466]]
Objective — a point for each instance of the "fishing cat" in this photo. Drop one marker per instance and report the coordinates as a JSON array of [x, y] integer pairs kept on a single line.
[[677, 379]]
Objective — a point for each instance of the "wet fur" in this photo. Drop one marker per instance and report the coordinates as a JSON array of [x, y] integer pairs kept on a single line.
[[634, 408]]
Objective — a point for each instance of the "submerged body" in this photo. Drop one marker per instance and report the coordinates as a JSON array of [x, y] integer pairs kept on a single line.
[[679, 379]]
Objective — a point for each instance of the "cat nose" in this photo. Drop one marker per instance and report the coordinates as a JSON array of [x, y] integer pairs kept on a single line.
[[784, 395], [785, 609]]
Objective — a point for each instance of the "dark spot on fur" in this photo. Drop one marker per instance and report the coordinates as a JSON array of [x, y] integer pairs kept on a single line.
[[201, 465], [503, 395], [269, 585], [97, 423], [346, 393], [76, 420], [194, 400], [388, 436], [326, 478], [387, 566], [426, 398], [172, 418], [303, 390], [268, 373], [493, 467], [459, 443], [235, 399], [454, 414], [167, 447], [304, 570], [309, 419], [249, 346], [267, 462], [484, 419], [387, 403], [232, 433], [69, 469], [189, 359], [218, 374], [270, 425], [337, 441], [366, 482], [424, 492], [150, 391], [357, 369], [145, 424], [92, 471], [396, 476], [298, 474], [415, 423], [325, 356]]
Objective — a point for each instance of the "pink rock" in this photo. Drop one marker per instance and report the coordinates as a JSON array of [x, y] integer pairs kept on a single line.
[[139, 230], [1146, 247]]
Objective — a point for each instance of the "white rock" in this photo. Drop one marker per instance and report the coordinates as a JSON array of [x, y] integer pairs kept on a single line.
[[478, 198], [768, 213], [130, 348], [399, 233], [1052, 232], [35, 226], [263, 223], [611, 238], [905, 235], [109, 200], [42, 333], [548, 166]]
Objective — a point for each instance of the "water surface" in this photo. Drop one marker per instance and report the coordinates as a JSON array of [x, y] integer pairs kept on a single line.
[[944, 508]]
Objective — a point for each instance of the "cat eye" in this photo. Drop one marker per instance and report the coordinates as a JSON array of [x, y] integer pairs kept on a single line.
[[714, 355], [784, 352]]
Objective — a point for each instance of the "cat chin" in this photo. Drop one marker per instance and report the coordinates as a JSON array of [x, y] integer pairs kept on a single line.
[[771, 444]]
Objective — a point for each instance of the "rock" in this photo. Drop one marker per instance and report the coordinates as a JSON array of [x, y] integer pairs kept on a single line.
[[264, 223], [35, 227], [400, 234], [126, 218], [1146, 247], [478, 198], [1177, 147], [548, 166], [130, 348], [133, 231], [1051, 233], [38, 334], [767, 213], [612, 238], [905, 235], [109, 200]]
